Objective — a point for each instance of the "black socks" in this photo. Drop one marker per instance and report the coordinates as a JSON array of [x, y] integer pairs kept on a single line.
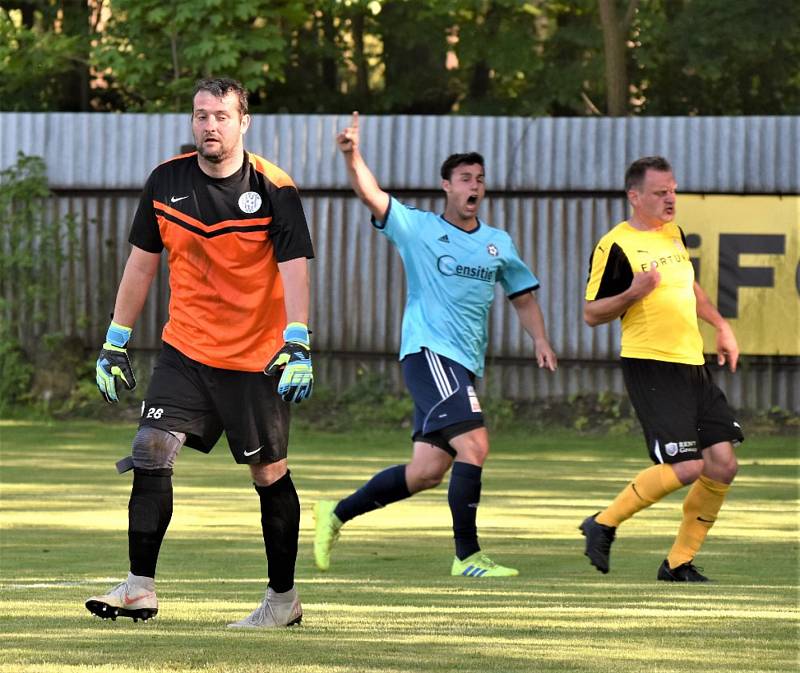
[[149, 514], [280, 524]]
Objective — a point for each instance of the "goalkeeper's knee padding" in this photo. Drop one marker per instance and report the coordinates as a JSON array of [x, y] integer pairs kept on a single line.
[[156, 449]]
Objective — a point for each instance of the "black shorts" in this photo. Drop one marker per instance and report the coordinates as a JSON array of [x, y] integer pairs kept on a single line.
[[201, 401], [445, 403], [682, 411]]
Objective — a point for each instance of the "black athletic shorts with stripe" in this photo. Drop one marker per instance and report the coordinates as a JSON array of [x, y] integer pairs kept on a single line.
[[202, 402], [445, 403], [682, 411]]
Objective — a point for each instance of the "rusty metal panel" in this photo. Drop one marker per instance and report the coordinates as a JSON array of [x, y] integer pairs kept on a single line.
[[554, 185], [358, 290], [710, 154]]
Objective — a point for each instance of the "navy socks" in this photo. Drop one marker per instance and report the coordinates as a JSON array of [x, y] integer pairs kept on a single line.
[[463, 496], [383, 489]]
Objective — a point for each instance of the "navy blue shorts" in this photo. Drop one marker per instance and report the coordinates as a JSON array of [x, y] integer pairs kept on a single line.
[[445, 403], [681, 409]]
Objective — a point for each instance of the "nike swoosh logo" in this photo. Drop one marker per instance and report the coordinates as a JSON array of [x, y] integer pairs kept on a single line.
[[253, 452], [179, 198], [127, 601]]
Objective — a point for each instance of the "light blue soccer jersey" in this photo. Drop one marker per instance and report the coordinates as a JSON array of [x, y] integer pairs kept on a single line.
[[450, 278]]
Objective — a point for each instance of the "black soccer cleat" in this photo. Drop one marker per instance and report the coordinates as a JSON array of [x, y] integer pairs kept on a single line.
[[105, 611], [598, 542], [685, 572]]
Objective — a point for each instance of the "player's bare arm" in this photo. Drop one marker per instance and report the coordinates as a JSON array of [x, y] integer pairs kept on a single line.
[[727, 347], [361, 178], [140, 269], [294, 274], [601, 311], [530, 315]]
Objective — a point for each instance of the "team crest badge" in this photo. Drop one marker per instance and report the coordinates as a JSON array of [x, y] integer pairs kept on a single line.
[[492, 249], [249, 202]]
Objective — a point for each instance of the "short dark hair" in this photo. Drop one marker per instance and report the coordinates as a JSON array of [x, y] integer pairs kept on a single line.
[[634, 176], [219, 87], [466, 159]]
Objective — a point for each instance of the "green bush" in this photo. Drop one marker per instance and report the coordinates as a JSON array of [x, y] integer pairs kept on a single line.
[[36, 367], [15, 373]]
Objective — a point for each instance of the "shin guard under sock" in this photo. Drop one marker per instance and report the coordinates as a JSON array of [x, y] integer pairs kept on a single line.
[[700, 509], [649, 486], [463, 496], [149, 514], [383, 489], [280, 525]]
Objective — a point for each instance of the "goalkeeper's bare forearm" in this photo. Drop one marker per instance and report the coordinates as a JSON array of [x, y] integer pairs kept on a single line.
[[140, 269]]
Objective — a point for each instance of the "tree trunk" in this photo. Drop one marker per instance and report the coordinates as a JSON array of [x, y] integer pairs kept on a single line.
[[330, 75], [359, 57], [615, 35], [75, 90]]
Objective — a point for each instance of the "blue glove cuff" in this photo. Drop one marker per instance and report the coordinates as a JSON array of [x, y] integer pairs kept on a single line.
[[297, 332], [118, 335]]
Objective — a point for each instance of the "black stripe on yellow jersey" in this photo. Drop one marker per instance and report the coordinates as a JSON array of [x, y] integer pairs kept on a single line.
[[662, 325]]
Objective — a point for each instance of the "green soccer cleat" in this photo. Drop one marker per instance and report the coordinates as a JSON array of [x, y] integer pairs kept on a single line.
[[326, 532], [480, 565]]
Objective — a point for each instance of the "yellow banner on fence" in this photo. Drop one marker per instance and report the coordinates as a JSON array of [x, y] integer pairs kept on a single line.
[[746, 252]]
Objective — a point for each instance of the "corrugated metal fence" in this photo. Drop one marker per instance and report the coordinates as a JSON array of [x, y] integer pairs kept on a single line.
[[554, 185]]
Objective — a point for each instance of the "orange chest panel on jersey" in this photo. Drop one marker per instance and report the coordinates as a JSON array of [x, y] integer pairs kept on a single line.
[[226, 304]]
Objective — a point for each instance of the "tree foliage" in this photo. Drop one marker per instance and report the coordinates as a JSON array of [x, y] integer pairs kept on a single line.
[[152, 52], [36, 61], [490, 57]]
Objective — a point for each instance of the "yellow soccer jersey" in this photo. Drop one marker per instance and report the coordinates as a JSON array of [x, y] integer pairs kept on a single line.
[[663, 325]]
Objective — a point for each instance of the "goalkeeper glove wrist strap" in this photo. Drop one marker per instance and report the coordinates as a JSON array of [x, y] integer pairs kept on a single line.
[[118, 335], [297, 332]]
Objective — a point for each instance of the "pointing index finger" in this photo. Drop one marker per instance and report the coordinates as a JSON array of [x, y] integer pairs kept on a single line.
[[355, 119]]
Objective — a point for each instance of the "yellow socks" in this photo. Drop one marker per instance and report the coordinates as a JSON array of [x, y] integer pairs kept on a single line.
[[649, 486], [700, 509]]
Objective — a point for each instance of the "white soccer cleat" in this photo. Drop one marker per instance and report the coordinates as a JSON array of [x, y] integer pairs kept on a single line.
[[125, 600], [276, 611]]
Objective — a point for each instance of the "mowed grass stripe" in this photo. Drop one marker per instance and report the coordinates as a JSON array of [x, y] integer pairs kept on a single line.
[[388, 603]]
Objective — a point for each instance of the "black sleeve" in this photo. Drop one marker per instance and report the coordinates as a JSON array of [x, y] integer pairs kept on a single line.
[[288, 230], [145, 233], [617, 275], [683, 238]]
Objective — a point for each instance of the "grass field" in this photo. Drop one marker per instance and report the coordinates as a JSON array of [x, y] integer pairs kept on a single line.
[[388, 603]]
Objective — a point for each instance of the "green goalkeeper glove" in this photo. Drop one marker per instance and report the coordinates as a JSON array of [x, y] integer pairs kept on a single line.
[[113, 362], [297, 379]]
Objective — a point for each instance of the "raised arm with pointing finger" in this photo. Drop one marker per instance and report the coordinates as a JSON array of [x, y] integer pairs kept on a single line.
[[452, 263], [361, 178]]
